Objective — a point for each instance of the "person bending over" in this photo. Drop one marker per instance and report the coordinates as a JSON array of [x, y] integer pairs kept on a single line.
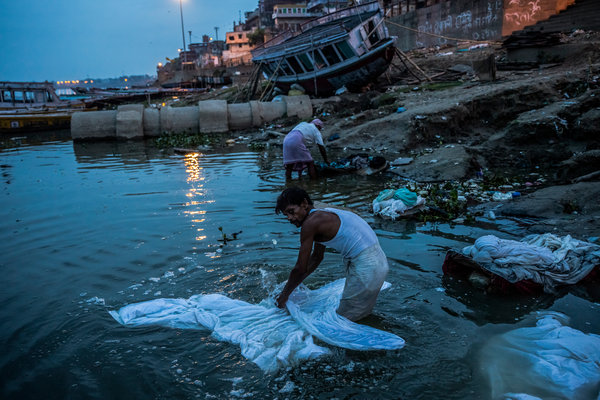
[[296, 156], [365, 263]]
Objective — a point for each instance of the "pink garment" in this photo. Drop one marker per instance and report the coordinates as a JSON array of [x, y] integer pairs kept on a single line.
[[295, 151]]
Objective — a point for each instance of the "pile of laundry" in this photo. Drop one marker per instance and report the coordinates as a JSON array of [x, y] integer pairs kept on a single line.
[[362, 164], [547, 260], [548, 361], [268, 336], [395, 203]]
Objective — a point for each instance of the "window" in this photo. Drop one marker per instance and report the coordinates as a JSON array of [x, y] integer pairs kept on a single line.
[[330, 55], [306, 62], [240, 45], [286, 68], [294, 10], [231, 37], [6, 96], [284, 10], [295, 65], [319, 61], [372, 32], [18, 97], [345, 50], [239, 35], [29, 97]]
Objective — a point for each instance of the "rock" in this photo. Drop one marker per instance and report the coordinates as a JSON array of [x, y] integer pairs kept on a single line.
[[443, 164]]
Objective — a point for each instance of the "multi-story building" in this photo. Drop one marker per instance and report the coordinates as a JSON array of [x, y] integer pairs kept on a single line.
[[238, 47], [289, 16]]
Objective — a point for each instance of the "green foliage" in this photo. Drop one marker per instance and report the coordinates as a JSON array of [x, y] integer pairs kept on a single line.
[[570, 206], [170, 140], [257, 146], [256, 37]]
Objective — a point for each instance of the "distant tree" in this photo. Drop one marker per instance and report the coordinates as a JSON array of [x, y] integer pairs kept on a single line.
[[256, 37]]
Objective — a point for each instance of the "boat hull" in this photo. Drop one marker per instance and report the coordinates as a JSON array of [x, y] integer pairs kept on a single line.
[[14, 123], [354, 76]]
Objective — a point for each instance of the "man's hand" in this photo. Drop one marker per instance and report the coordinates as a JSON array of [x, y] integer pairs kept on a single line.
[[281, 300]]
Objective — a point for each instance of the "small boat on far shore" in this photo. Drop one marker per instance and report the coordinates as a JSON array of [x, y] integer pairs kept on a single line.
[[350, 47], [32, 106]]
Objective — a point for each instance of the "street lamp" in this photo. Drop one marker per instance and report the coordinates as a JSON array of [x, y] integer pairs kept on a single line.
[[182, 31]]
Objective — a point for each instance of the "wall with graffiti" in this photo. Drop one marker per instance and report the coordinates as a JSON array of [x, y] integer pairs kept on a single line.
[[445, 22], [521, 13]]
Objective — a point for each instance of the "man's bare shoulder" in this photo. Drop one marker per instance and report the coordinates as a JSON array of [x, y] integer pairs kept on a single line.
[[318, 220]]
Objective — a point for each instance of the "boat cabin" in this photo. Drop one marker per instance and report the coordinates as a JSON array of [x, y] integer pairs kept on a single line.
[[15, 95]]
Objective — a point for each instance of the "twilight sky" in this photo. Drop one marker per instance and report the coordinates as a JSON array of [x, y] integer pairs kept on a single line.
[[77, 39]]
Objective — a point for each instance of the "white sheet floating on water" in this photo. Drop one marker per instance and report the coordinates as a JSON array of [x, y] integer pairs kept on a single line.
[[546, 259], [267, 336], [548, 361]]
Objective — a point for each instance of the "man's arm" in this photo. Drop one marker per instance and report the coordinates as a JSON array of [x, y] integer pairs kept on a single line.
[[305, 264], [323, 153]]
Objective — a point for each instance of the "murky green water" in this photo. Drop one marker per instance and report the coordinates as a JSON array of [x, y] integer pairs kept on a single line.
[[86, 228]]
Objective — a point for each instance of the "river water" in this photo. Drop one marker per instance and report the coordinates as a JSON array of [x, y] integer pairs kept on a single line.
[[88, 228]]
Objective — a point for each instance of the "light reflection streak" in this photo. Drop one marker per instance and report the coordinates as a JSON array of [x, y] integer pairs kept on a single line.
[[196, 180]]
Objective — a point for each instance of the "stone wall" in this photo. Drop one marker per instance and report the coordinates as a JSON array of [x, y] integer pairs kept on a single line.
[[444, 22]]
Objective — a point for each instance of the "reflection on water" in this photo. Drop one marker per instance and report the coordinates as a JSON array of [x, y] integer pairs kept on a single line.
[[89, 227]]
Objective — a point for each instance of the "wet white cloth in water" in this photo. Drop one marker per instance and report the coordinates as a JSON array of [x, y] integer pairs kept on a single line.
[[549, 361], [267, 336], [546, 259]]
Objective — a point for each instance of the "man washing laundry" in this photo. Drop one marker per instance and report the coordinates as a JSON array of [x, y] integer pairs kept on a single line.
[[296, 156], [365, 263]]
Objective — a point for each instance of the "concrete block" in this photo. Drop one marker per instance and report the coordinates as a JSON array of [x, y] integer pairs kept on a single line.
[[298, 106], [130, 121], [239, 115], [151, 122], [179, 119], [263, 112], [94, 125], [212, 116]]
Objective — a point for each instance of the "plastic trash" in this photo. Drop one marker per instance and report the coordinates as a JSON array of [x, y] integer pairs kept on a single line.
[[333, 137], [400, 110], [341, 90]]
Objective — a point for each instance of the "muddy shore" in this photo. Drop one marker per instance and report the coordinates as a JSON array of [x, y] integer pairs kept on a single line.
[[532, 132]]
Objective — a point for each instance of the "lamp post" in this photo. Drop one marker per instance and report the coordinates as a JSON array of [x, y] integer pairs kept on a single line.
[[182, 31]]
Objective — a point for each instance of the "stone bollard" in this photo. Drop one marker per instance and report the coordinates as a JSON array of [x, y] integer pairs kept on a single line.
[[93, 125], [152, 122], [239, 115], [264, 112], [298, 106], [179, 119], [129, 121], [212, 116]]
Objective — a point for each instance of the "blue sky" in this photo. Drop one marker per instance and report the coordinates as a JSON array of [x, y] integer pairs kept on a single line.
[[74, 39]]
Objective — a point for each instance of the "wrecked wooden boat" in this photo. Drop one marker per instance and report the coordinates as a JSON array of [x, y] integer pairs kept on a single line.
[[350, 47]]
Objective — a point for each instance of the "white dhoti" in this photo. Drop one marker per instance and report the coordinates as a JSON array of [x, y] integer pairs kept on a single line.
[[365, 275]]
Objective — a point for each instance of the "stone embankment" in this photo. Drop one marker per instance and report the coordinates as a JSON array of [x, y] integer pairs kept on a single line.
[[133, 121]]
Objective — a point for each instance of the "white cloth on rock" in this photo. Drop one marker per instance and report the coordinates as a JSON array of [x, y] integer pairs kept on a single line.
[[547, 259], [548, 361], [394, 208], [267, 335]]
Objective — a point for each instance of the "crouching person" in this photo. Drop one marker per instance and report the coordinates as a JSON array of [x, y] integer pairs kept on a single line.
[[365, 262]]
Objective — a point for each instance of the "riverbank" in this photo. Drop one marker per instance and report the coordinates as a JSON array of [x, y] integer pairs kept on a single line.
[[530, 135], [532, 132]]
